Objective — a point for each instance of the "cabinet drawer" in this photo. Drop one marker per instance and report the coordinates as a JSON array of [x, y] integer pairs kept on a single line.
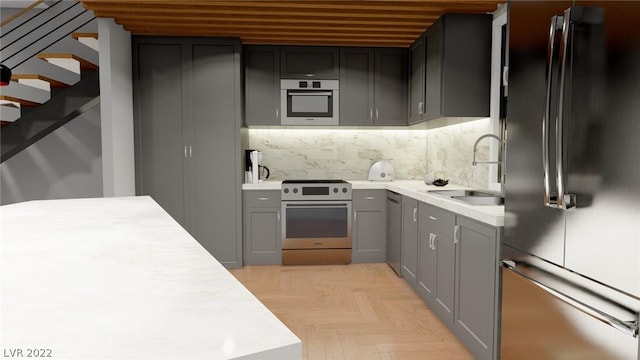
[[262, 198], [369, 200], [437, 220]]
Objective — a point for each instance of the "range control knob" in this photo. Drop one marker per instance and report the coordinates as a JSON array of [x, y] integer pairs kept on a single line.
[[286, 190], [335, 190], [344, 190], [295, 190]]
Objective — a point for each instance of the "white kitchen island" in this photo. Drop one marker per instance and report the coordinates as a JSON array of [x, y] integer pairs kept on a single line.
[[118, 278]]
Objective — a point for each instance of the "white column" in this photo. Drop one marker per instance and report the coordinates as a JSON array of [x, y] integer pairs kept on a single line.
[[116, 103]]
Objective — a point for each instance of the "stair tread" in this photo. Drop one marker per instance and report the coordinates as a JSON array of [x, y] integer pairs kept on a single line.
[[22, 102], [54, 83], [77, 35], [11, 105], [84, 64]]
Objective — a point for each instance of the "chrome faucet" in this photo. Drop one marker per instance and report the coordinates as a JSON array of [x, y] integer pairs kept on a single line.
[[475, 150], [500, 161]]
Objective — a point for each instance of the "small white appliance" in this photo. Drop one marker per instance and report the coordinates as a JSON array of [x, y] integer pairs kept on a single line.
[[381, 171]]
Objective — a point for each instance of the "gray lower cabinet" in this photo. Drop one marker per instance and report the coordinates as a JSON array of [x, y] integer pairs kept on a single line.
[[262, 235], [409, 260], [436, 265], [369, 230], [452, 263], [187, 136], [373, 87], [477, 291], [262, 85]]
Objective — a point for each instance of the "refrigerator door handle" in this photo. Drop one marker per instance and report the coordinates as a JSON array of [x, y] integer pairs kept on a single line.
[[550, 200], [628, 327], [565, 201]]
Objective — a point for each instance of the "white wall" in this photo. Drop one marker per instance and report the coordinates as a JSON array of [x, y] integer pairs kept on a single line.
[[116, 101], [64, 164]]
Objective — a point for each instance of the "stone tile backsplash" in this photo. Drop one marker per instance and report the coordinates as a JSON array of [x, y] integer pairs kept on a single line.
[[348, 153], [450, 153], [339, 153]]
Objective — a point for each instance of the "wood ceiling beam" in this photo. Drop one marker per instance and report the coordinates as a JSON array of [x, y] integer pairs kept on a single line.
[[386, 6], [345, 28], [298, 34], [377, 16], [296, 21]]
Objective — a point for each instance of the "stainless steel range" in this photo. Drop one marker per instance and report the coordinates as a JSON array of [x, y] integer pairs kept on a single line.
[[316, 226]]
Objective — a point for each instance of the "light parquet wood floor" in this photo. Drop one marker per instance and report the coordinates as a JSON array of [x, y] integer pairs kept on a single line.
[[356, 311]]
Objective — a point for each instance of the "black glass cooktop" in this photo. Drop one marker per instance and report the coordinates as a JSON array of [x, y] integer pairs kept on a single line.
[[328, 181]]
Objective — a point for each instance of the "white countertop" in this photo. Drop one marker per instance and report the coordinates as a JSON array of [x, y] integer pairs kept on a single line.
[[491, 215], [118, 278]]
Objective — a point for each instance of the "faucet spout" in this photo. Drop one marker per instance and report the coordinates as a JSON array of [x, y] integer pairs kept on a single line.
[[475, 149]]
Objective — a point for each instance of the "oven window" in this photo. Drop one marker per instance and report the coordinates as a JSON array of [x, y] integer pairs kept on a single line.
[[316, 222], [310, 103]]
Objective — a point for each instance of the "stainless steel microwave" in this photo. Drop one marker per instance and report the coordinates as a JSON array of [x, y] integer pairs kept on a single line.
[[309, 102]]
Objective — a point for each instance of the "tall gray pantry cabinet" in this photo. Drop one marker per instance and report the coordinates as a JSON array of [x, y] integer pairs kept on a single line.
[[187, 120]]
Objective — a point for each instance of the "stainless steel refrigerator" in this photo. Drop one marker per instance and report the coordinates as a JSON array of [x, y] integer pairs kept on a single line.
[[571, 248]]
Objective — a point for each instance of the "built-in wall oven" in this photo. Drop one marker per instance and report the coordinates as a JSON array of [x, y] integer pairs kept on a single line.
[[309, 102], [316, 226]]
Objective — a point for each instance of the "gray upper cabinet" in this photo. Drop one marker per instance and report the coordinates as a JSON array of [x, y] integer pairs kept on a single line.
[[304, 62], [369, 229], [262, 85], [262, 228], [373, 87], [416, 81], [187, 136], [390, 86], [477, 291], [458, 67], [356, 86], [409, 261]]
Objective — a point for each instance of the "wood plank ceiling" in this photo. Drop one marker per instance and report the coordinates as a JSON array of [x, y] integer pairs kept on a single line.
[[394, 23]]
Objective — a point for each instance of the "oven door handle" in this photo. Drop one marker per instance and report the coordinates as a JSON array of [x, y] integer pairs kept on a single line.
[[310, 93], [318, 205]]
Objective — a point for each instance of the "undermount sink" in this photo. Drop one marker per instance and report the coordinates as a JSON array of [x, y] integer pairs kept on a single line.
[[472, 197], [481, 200]]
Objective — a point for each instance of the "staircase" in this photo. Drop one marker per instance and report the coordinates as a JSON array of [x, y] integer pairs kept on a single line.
[[53, 55]]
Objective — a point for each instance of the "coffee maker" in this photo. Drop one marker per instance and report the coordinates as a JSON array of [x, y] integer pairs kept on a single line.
[[253, 171]]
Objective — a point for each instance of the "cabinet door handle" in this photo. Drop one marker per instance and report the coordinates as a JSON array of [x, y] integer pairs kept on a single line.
[[433, 218], [190, 152], [456, 231], [278, 212], [421, 107], [377, 117], [355, 215], [371, 114], [369, 197], [277, 114], [263, 198], [185, 151], [415, 214]]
